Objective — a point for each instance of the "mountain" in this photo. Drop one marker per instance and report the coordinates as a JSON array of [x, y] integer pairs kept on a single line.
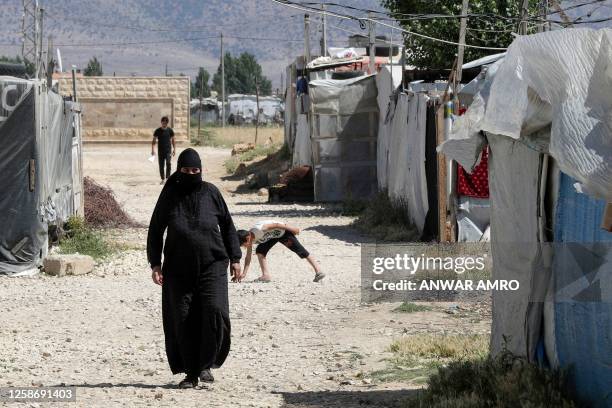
[[141, 37]]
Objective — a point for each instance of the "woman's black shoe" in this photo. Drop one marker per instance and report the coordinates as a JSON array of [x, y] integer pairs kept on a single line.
[[206, 376], [188, 382]]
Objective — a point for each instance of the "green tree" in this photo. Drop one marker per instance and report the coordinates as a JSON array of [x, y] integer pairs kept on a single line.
[[201, 84], [94, 68], [493, 30], [242, 75], [18, 60]]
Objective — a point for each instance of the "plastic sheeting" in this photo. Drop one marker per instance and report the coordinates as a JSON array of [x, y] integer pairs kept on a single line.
[[405, 168], [387, 82], [580, 333], [514, 179], [473, 218], [302, 151], [550, 94], [36, 163], [245, 108], [558, 78], [344, 131]]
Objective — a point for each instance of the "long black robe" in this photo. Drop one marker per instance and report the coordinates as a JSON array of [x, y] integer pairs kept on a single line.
[[201, 240]]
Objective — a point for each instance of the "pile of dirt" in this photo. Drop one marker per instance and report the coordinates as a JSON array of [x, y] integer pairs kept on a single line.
[[102, 209]]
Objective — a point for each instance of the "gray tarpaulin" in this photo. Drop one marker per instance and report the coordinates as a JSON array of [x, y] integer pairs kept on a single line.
[[344, 132], [36, 139]]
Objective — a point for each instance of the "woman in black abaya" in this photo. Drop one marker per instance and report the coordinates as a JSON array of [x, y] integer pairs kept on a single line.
[[201, 241]]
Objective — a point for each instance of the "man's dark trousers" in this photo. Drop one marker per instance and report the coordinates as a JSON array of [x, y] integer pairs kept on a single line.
[[164, 156]]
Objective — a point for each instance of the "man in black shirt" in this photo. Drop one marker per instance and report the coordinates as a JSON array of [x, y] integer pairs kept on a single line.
[[166, 148]]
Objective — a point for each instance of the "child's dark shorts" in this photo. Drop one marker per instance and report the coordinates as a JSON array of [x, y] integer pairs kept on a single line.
[[289, 240]]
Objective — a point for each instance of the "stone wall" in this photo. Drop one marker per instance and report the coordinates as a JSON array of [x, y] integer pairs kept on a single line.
[[129, 109]]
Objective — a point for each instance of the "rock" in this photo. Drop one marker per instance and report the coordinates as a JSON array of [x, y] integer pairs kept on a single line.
[[262, 192], [241, 148], [347, 382], [66, 265]]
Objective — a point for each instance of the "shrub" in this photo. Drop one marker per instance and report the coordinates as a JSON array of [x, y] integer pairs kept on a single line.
[[84, 240], [506, 381], [386, 220]]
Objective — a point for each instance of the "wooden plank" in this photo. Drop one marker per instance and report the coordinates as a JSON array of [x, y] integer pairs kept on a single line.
[[607, 218], [442, 197]]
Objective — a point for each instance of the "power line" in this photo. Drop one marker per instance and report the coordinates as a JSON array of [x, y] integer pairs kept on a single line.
[[175, 41], [403, 30], [196, 29]]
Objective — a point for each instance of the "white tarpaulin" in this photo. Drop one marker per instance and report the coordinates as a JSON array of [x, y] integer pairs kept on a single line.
[[558, 78], [302, 151], [386, 82], [406, 181], [245, 107]]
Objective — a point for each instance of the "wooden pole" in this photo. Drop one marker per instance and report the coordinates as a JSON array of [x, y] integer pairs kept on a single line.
[[200, 107], [464, 11], [324, 34], [257, 117], [222, 84], [307, 38], [372, 51], [522, 29]]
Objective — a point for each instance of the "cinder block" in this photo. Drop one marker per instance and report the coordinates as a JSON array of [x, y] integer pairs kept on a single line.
[[65, 265]]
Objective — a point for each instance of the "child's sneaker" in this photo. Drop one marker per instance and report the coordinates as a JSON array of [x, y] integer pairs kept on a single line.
[[318, 276]]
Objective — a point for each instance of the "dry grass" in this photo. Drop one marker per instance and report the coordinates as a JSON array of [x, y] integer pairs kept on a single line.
[[231, 135], [430, 346], [383, 219], [416, 358]]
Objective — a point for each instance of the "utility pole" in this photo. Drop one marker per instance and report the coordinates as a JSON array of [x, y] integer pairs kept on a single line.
[[31, 33], [41, 63], [222, 84], [200, 107], [391, 59], [372, 53], [403, 61], [166, 70], [522, 29], [307, 38], [257, 117], [464, 11], [324, 32]]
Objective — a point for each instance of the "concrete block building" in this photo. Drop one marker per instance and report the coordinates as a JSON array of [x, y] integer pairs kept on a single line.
[[128, 109]]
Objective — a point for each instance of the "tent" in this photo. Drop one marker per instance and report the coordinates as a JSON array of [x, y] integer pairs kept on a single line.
[[344, 132], [41, 170], [544, 113], [243, 109]]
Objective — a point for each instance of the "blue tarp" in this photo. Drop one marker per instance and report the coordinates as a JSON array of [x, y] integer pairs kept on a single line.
[[583, 328]]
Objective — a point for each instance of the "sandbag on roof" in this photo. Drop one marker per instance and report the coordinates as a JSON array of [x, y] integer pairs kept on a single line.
[[557, 78]]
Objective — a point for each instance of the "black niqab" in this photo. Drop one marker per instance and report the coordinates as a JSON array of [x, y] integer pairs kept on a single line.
[[200, 242]]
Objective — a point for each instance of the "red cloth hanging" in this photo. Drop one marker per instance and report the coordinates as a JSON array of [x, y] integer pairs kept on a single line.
[[477, 183]]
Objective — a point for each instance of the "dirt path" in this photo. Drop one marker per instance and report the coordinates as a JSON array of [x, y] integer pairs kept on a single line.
[[295, 343]]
